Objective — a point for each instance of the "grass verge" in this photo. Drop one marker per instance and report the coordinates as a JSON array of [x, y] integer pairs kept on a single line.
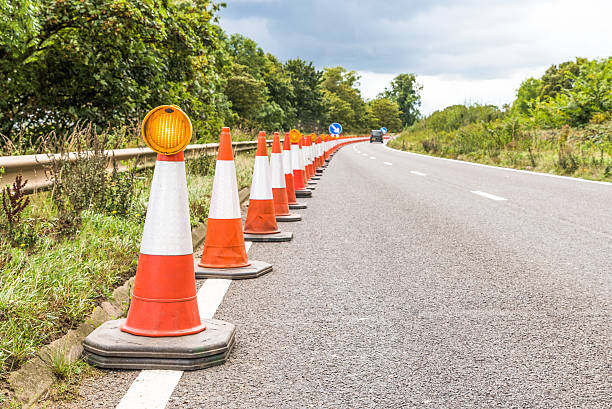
[[52, 283], [579, 152]]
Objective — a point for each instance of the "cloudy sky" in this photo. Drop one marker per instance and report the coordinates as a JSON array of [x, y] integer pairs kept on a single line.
[[461, 50]]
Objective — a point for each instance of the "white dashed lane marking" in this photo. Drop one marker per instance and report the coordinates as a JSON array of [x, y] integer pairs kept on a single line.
[[414, 172], [372, 157], [388, 163], [487, 195]]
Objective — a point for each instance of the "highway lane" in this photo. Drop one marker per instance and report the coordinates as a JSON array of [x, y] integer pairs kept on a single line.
[[403, 288]]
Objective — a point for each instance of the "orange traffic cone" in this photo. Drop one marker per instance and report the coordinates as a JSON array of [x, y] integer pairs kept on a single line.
[[288, 168], [297, 161], [260, 224], [279, 189], [163, 329], [312, 139], [303, 149], [224, 254], [308, 169]]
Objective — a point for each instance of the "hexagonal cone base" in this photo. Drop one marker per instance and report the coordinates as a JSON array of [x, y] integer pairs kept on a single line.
[[109, 347], [293, 217], [303, 193], [297, 206], [256, 269], [282, 236]]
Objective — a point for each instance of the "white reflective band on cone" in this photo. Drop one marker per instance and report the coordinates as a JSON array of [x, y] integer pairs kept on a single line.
[[261, 189], [303, 160], [276, 168], [167, 229], [287, 162], [296, 157], [224, 202]]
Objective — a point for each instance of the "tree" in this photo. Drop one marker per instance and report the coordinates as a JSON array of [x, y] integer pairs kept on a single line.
[[525, 95], [307, 98], [559, 78], [343, 98], [246, 93], [384, 112], [406, 92], [108, 62]]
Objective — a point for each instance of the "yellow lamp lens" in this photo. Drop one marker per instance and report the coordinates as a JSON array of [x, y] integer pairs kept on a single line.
[[295, 136], [166, 129]]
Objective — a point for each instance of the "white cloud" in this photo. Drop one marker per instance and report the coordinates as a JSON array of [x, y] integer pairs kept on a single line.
[[442, 91], [372, 83], [461, 51]]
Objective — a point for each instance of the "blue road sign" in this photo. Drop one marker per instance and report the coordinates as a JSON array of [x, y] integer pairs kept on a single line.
[[384, 130], [335, 128]]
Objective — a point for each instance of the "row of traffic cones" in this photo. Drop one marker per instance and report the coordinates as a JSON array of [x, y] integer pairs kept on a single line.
[[164, 329]]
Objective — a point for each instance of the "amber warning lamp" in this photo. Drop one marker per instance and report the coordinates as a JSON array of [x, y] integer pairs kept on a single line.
[[166, 130], [295, 136]]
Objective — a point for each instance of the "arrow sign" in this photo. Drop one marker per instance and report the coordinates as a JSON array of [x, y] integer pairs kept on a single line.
[[383, 130], [335, 128]]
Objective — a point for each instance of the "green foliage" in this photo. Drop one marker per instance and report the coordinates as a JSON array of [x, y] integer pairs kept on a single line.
[[406, 92], [526, 94], [36, 308], [456, 116], [343, 99], [384, 112], [107, 62], [246, 93], [307, 98], [556, 79]]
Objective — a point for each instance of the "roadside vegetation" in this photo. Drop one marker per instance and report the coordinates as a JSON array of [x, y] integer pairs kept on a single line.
[[128, 56], [560, 123], [64, 250]]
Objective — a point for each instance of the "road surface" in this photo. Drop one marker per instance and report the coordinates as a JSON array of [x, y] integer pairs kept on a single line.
[[419, 282]]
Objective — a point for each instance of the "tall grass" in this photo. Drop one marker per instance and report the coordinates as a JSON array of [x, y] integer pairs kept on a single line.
[[52, 284], [584, 152]]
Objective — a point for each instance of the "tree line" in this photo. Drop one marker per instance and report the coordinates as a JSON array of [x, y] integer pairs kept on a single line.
[[107, 62]]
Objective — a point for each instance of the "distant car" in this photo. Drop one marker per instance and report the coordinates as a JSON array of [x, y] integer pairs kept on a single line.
[[376, 136]]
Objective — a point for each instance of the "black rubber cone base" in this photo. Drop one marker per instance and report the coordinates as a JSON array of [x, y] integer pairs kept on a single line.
[[297, 206], [293, 217], [310, 182], [303, 193], [315, 178], [109, 347], [311, 187], [282, 236], [256, 269], [319, 173]]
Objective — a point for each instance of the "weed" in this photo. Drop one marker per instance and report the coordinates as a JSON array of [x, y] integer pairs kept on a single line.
[[14, 202], [430, 145], [202, 165], [69, 376], [60, 364]]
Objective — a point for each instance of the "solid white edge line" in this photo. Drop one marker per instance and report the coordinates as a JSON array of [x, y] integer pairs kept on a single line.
[[414, 172], [487, 195], [529, 172], [152, 388], [388, 163]]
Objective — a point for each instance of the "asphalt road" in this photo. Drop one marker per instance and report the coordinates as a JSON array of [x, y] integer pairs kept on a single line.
[[403, 288]]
